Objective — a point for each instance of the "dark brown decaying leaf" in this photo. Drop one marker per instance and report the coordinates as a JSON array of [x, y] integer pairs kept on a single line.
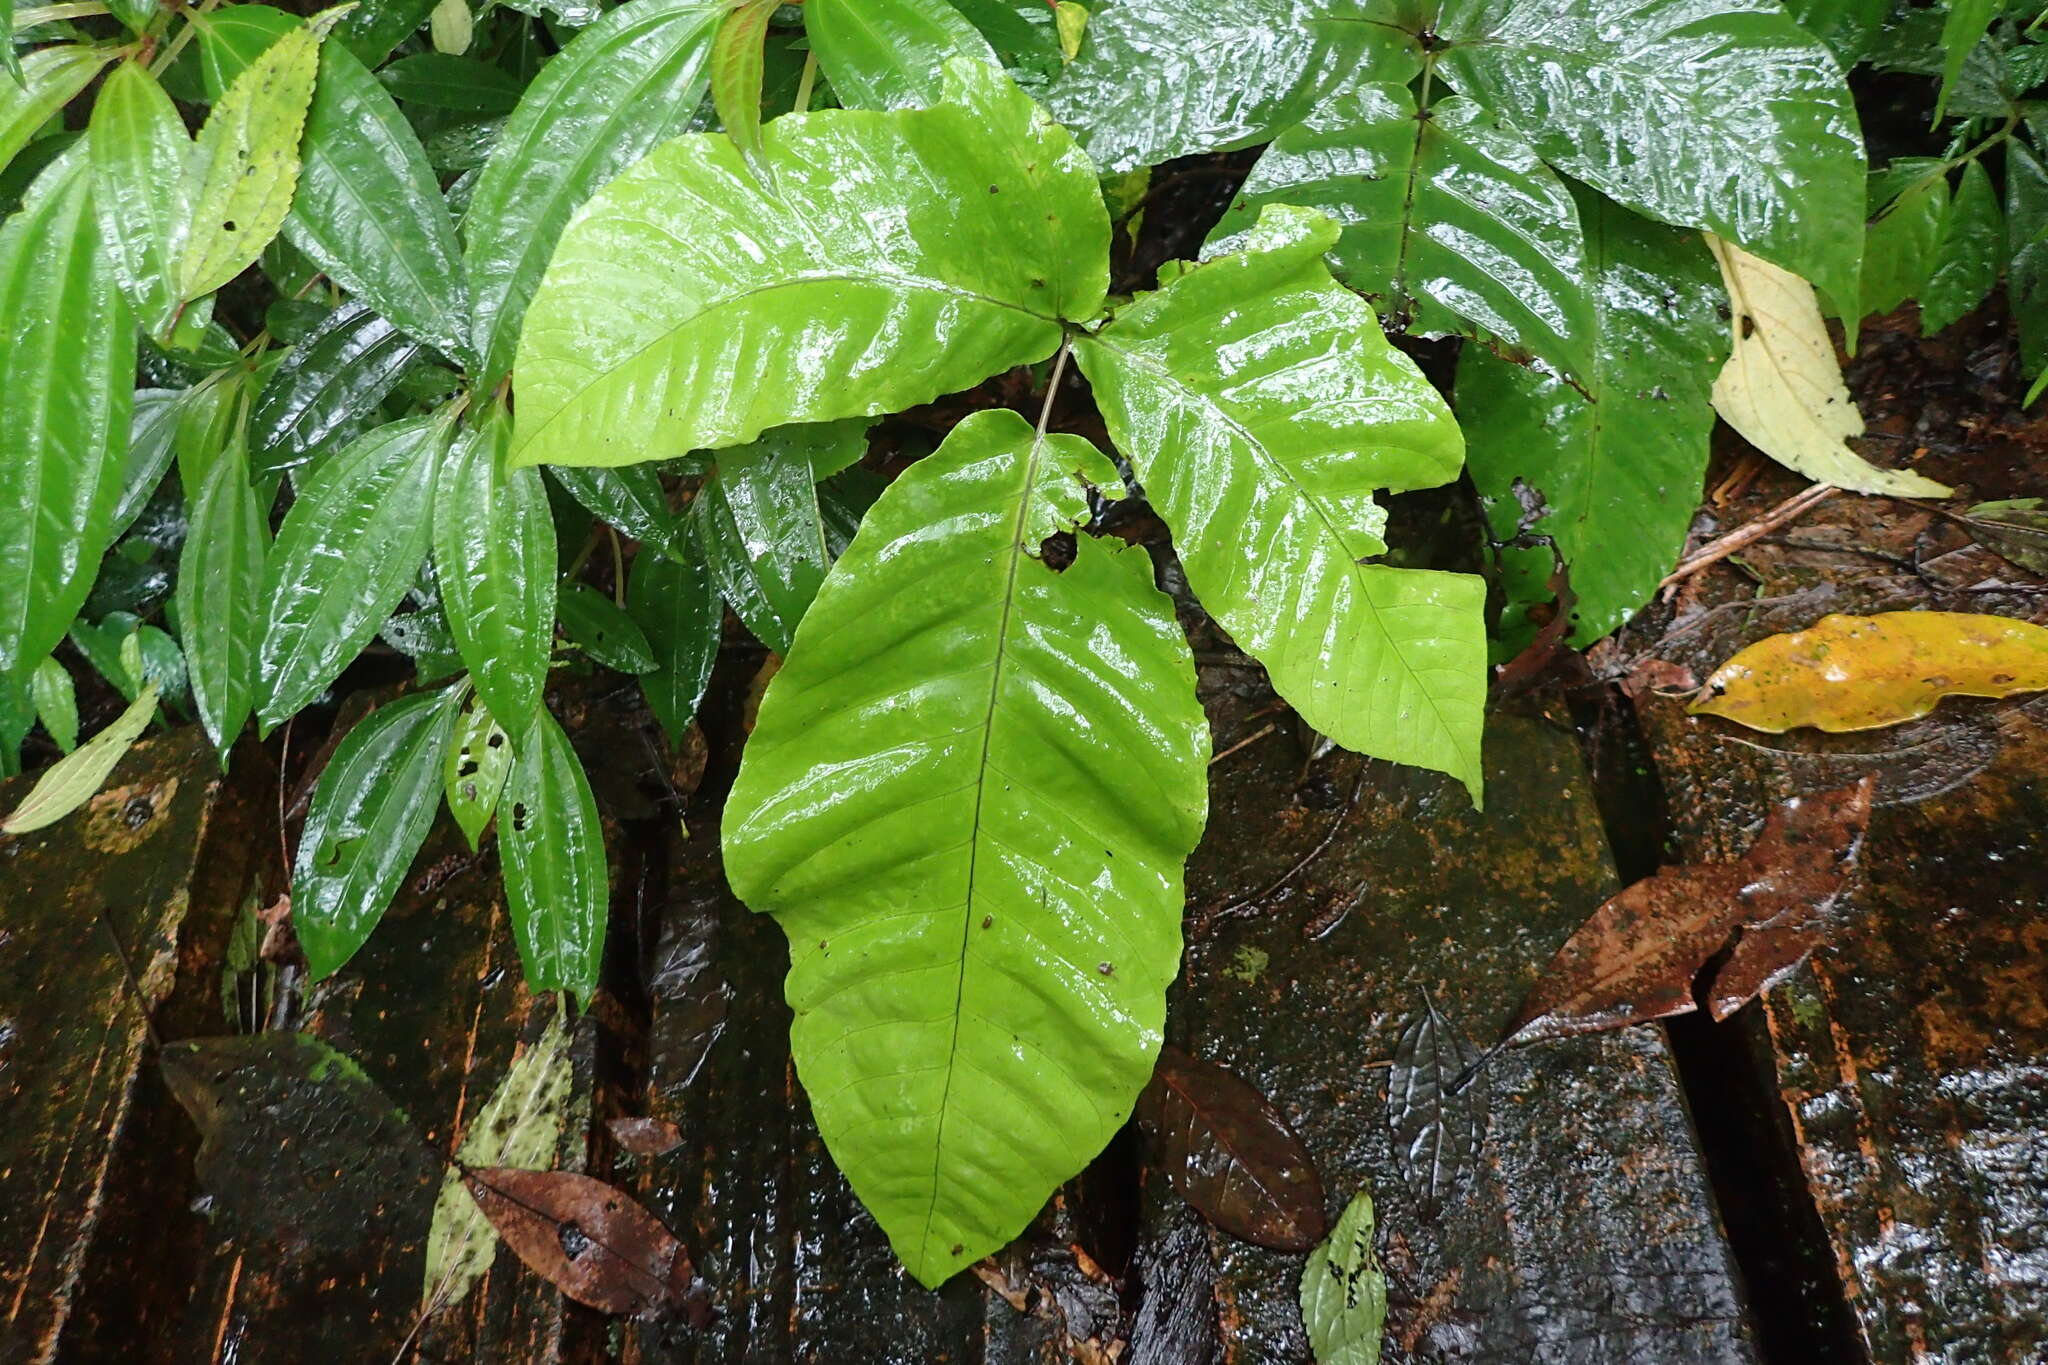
[[1638, 955], [587, 1239], [1232, 1156], [1438, 1125], [646, 1137]]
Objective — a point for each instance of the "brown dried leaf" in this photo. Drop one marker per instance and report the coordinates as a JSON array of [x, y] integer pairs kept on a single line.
[[646, 1137], [587, 1239], [1231, 1155], [1636, 958]]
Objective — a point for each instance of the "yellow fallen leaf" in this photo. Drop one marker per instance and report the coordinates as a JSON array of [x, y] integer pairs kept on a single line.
[[1865, 672], [1781, 387]]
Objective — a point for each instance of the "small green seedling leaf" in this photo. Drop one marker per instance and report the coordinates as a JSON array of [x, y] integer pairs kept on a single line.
[[1343, 1293], [56, 702], [478, 762]]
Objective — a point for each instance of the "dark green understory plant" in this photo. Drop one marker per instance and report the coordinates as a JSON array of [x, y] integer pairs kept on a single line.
[[535, 342]]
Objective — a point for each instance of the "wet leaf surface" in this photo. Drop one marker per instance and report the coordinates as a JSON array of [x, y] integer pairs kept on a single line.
[[1637, 957], [587, 1239], [1343, 1293], [2016, 528], [1439, 1125], [1229, 1153]]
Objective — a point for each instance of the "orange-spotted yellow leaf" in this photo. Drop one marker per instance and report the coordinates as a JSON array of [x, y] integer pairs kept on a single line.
[[1865, 672]]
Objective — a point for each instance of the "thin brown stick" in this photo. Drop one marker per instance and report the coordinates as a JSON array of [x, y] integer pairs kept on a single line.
[[1253, 738], [1794, 507]]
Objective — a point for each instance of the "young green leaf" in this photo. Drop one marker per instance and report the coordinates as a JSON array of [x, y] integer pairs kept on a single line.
[[1908, 203], [345, 555], [242, 174], [371, 810], [56, 702], [630, 498], [890, 56], [978, 994], [139, 147], [326, 385], [1449, 223], [601, 628], [629, 80], [1159, 79], [152, 425], [67, 354], [494, 554], [220, 597], [1729, 118], [1613, 475], [1972, 251], [736, 62], [557, 886], [478, 762], [681, 615], [1261, 407], [206, 423], [2026, 279], [1343, 1293], [761, 533], [73, 779], [372, 28], [50, 78], [1962, 28], [975, 229]]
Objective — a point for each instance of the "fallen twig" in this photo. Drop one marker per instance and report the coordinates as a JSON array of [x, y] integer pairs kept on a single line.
[[1749, 533]]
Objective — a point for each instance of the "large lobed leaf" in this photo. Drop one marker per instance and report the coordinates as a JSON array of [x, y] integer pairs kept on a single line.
[[969, 809], [898, 257], [1261, 407]]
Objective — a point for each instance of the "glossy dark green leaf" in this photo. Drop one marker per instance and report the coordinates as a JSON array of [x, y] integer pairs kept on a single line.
[[371, 810], [625, 83], [1157, 79], [557, 886], [890, 56], [1972, 252], [151, 428], [477, 764], [1261, 407], [1962, 28], [374, 27], [10, 62], [828, 447], [631, 499], [736, 63], [965, 235], [220, 597], [679, 610], [2026, 230], [1908, 202], [494, 557], [17, 718], [139, 147], [369, 211], [56, 701], [50, 78], [1450, 223], [1727, 117], [463, 85], [601, 628], [240, 180], [345, 555], [420, 631], [760, 531], [325, 385], [968, 809], [1847, 27], [206, 422], [67, 371], [1613, 478]]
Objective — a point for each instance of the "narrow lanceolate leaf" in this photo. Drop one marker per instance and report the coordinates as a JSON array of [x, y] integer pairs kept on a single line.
[[1967, 263], [1962, 28], [1611, 474], [152, 426], [494, 554], [325, 385], [736, 62], [220, 597], [1731, 119], [557, 888], [369, 211], [1261, 408], [56, 701], [760, 532], [891, 56], [1449, 223], [50, 78], [979, 992], [73, 779], [625, 83], [1908, 203], [679, 611], [478, 762], [371, 810], [67, 354], [975, 228], [1157, 79], [631, 499], [2026, 280], [346, 554], [601, 628], [1782, 387], [1343, 1292], [242, 174], [139, 147]]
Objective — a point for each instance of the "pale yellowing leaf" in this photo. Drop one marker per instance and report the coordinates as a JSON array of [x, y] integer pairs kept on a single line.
[[73, 779], [1866, 672], [1782, 388]]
